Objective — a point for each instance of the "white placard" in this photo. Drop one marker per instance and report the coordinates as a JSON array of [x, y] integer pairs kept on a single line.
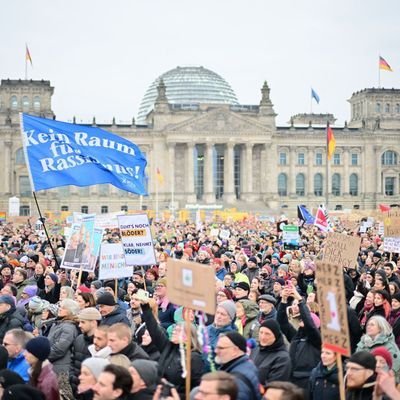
[[13, 206], [225, 234], [136, 239], [108, 221], [112, 262], [391, 244], [214, 232]]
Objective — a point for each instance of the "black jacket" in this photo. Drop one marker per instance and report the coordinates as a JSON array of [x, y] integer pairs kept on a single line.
[[324, 383], [363, 393], [52, 296], [305, 344], [355, 330], [134, 352], [169, 364], [9, 320], [273, 362], [79, 353], [115, 316]]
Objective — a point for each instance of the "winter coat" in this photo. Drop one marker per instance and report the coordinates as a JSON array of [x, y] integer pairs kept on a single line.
[[48, 382], [20, 287], [52, 296], [170, 366], [246, 374], [388, 341], [263, 317], [305, 344], [394, 321], [324, 383], [80, 352], [251, 273], [9, 320], [115, 316], [273, 362], [355, 330], [19, 365], [166, 315], [61, 336], [251, 325], [363, 393], [134, 352]]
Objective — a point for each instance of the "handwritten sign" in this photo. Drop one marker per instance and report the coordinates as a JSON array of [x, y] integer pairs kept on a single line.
[[112, 262], [341, 250], [391, 244], [391, 223], [333, 309], [136, 239]]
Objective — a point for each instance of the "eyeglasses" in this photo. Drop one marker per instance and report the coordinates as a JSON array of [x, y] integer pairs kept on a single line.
[[355, 369]]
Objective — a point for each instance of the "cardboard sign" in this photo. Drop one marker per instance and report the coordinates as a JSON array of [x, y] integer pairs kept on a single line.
[[333, 308], [391, 223], [341, 250], [112, 262], [191, 285], [391, 244], [136, 239]]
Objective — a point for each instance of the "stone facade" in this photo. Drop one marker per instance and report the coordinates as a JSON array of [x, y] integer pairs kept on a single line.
[[233, 155]]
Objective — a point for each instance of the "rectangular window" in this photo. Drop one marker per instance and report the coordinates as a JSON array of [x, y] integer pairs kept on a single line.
[[336, 159], [64, 208], [124, 208], [282, 159], [300, 159], [85, 210], [389, 186], [354, 159], [24, 211], [24, 186], [318, 159], [104, 209]]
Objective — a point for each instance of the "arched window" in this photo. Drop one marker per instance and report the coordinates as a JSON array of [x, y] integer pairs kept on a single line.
[[25, 103], [387, 108], [397, 108], [389, 158], [378, 107], [14, 102], [19, 157], [300, 184], [318, 184], [36, 103], [24, 186], [353, 185], [336, 185], [282, 185]]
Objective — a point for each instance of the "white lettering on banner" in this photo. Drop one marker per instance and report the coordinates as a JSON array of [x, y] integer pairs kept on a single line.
[[45, 137]]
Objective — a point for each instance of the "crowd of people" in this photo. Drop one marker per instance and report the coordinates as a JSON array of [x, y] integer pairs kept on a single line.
[[69, 336]]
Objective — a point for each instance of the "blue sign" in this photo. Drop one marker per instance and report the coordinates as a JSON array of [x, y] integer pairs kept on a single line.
[[59, 154]]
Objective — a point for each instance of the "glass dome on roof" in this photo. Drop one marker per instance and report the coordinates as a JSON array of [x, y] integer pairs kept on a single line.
[[188, 85]]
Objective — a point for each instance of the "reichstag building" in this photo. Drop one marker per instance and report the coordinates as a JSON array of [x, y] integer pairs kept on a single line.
[[212, 150]]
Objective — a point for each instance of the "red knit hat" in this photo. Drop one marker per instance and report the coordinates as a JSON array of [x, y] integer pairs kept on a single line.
[[384, 353]]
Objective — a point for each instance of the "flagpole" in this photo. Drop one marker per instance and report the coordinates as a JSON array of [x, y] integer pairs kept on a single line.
[[156, 198], [327, 169], [379, 73], [311, 102], [173, 196], [26, 69]]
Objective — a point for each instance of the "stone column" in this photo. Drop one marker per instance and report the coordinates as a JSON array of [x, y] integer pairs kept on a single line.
[[229, 189], [209, 195], [346, 172], [292, 171], [190, 194], [310, 174], [378, 176], [7, 168], [248, 170], [171, 166], [264, 167]]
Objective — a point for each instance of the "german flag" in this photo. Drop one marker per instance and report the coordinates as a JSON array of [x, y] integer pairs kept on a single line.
[[331, 142], [384, 65]]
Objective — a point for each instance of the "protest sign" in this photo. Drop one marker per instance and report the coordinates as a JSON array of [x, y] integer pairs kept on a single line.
[[333, 309], [112, 262], [214, 232], [136, 239], [290, 237], [225, 234], [78, 251], [391, 244], [2, 216], [94, 249], [391, 223], [189, 285], [108, 221], [341, 249]]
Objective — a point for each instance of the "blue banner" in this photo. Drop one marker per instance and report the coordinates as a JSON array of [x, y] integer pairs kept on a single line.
[[59, 154]]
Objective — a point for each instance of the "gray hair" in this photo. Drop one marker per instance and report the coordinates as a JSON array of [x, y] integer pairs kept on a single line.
[[383, 325], [68, 291], [71, 306]]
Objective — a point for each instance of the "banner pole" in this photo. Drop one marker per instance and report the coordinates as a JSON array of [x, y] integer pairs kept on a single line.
[[116, 289], [340, 376], [144, 278], [188, 352], [45, 229]]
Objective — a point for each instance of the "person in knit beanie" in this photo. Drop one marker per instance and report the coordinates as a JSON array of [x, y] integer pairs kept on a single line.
[[145, 378], [91, 369], [271, 357], [384, 360], [360, 375], [42, 375]]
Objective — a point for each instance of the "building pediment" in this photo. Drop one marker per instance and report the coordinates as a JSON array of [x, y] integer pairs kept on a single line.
[[218, 121]]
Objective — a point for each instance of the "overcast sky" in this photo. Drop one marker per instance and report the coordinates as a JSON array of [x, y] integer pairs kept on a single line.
[[102, 55]]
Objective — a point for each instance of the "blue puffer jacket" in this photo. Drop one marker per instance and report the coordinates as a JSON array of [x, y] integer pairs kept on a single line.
[[242, 368]]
